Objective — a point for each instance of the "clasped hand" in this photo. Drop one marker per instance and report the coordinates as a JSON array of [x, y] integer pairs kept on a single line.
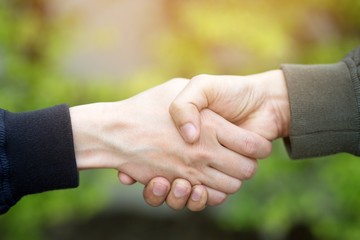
[[140, 139]]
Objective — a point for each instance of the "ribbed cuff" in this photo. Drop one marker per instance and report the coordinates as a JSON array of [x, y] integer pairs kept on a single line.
[[40, 151], [6, 199], [324, 113]]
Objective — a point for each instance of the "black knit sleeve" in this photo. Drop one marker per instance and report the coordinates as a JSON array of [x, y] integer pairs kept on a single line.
[[6, 199], [36, 153]]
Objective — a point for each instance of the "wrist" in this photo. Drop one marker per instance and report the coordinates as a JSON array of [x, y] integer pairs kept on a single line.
[[91, 125], [279, 99]]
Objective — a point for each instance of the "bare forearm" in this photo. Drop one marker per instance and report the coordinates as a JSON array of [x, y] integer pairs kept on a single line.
[[90, 124], [137, 137]]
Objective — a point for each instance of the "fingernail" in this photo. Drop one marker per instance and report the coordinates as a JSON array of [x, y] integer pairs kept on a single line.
[[159, 189], [188, 131], [180, 190], [196, 195]]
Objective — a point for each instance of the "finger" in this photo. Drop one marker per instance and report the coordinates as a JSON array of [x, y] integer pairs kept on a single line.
[[198, 198], [185, 109], [220, 181], [240, 140], [244, 142], [234, 165], [179, 194], [221, 158], [156, 191], [125, 179], [215, 197]]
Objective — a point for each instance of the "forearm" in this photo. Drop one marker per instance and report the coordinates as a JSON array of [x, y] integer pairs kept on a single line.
[[97, 129]]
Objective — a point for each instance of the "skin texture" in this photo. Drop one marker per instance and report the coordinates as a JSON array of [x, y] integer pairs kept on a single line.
[[138, 138], [258, 103], [194, 198]]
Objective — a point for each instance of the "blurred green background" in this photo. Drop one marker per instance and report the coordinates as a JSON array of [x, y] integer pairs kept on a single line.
[[78, 52]]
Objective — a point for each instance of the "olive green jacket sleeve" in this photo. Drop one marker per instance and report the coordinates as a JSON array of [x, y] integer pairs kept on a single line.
[[324, 105]]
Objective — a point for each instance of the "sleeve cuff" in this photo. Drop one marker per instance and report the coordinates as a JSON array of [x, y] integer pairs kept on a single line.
[[324, 110], [40, 151]]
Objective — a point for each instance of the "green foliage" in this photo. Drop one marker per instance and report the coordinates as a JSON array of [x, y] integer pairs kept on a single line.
[[30, 44], [244, 37], [202, 36], [27, 82], [320, 193]]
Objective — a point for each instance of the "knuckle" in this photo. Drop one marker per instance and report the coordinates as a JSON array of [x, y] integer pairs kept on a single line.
[[264, 149], [235, 186], [175, 107], [250, 170], [183, 182], [251, 145], [191, 174], [200, 77], [268, 149], [218, 200], [207, 120], [201, 157], [178, 79]]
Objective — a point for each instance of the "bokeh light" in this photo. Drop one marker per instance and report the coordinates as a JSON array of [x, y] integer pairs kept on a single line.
[[81, 51]]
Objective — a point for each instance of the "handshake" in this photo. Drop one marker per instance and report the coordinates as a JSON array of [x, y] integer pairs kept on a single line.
[[190, 142]]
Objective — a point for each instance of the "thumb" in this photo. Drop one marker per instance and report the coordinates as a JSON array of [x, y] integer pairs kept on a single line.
[[187, 120], [185, 110]]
